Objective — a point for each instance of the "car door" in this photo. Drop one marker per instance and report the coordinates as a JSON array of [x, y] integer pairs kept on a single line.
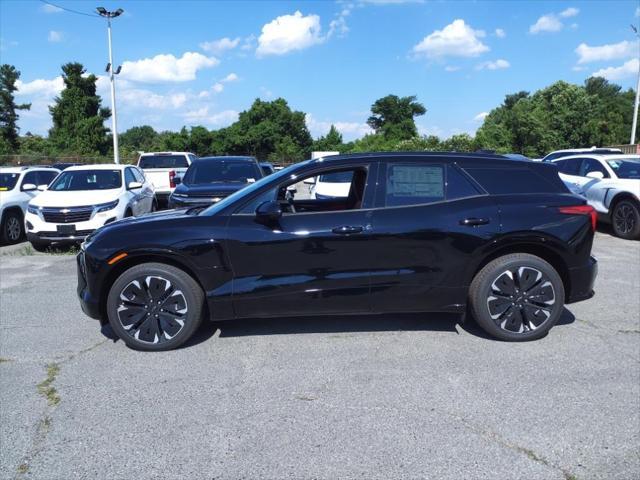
[[595, 189], [431, 221], [132, 195], [31, 177], [309, 262], [146, 192]]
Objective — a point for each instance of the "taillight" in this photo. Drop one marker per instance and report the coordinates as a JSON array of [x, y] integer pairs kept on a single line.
[[582, 210], [172, 179]]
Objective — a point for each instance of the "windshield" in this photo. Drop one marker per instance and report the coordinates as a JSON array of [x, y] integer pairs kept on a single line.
[[8, 181], [626, 167], [219, 171], [248, 191], [163, 161], [87, 180]]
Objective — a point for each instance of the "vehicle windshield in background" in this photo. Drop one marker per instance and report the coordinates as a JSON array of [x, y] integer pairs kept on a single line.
[[8, 181], [337, 177], [219, 171], [163, 161], [87, 180], [626, 167]]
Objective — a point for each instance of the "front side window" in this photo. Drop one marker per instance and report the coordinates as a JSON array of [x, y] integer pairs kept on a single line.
[[8, 181], [31, 178], [412, 184], [591, 165], [76, 180], [139, 175], [128, 176], [221, 171], [45, 178]]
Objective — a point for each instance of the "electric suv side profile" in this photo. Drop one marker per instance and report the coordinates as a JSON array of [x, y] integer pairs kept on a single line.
[[416, 232]]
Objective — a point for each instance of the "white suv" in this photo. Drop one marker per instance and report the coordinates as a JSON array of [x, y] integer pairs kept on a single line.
[[84, 198], [19, 185], [611, 185], [164, 169]]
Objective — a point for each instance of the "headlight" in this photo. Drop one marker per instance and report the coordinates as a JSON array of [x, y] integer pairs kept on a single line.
[[32, 209], [104, 207]]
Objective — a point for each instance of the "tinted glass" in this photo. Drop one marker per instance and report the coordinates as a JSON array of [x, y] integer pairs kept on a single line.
[[45, 178], [163, 161], [8, 181], [458, 186], [139, 175], [591, 165], [87, 180], [128, 176], [337, 177], [626, 167], [412, 184], [30, 177], [570, 166], [511, 180], [218, 171]]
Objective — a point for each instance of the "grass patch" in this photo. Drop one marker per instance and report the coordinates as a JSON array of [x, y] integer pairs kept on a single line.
[[23, 468], [46, 388], [24, 251], [5, 360]]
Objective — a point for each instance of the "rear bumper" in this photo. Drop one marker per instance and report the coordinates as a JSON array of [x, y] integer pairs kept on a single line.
[[582, 280]]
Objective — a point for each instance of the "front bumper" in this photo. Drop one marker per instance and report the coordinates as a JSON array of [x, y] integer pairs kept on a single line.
[[41, 231], [582, 280], [89, 304]]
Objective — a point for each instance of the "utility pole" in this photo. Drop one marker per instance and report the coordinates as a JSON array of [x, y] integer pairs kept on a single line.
[[114, 120], [634, 124]]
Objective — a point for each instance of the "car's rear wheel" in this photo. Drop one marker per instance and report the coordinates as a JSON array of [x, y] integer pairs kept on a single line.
[[517, 297], [625, 220], [12, 227], [153, 306]]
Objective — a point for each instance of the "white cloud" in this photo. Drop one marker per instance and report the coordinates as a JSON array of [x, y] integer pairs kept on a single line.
[[167, 68], [350, 130], [481, 116], [569, 12], [456, 40], [288, 33], [218, 47], [47, 8], [626, 70], [637, 11], [451, 68], [204, 116], [217, 87], [577, 68], [232, 77], [40, 87], [552, 22], [499, 64], [55, 36], [614, 51], [500, 33]]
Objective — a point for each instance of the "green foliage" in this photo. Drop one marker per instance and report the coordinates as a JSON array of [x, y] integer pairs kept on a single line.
[[143, 138], [78, 118], [392, 116], [8, 116], [331, 142]]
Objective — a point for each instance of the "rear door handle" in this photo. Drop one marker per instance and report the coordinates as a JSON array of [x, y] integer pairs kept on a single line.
[[474, 222], [347, 230]]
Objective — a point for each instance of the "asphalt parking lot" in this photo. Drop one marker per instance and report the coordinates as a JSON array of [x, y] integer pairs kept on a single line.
[[416, 396]]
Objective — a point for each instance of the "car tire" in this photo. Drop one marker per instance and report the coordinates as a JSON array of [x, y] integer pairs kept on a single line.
[[517, 297], [625, 220], [12, 227], [40, 246], [155, 307], [154, 206]]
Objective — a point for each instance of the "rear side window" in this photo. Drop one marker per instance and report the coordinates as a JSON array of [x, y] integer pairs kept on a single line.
[[511, 180], [570, 166], [163, 161], [411, 184]]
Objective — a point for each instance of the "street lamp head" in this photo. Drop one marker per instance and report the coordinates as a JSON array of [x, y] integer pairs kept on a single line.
[[118, 12], [102, 11]]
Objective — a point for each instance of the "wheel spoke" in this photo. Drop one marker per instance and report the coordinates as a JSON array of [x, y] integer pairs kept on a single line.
[[504, 284]]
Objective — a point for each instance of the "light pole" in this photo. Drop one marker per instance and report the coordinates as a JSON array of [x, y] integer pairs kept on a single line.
[[634, 124], [114, 121]]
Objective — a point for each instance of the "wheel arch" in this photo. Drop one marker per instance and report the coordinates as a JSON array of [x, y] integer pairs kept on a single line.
[[132, 261], [618, 197], [544, 252], [12, 208]]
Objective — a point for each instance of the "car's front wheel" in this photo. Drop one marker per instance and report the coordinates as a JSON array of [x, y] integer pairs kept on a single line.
[[12, 227], [517, 297], [625, 220], [153, 306]]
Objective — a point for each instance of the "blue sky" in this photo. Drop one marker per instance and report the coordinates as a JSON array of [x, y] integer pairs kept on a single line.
[[200, 62]]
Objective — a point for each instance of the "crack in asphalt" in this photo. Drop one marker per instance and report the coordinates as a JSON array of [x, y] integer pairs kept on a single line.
[[43, 426]]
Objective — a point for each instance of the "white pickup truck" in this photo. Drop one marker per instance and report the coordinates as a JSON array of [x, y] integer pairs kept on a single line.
[[162, 168]]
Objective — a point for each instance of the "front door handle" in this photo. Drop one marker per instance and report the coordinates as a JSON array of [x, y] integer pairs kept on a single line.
[[474, 222], [347, 230]]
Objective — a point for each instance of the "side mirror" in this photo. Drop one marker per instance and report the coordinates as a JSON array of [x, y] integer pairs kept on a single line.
[[268, 212], [310, 181], [598, 175], [42, 188], [29, 187], [134, 185]]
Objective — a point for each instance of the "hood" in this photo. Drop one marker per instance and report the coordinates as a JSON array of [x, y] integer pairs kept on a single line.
[[210, 189], [52, 198]]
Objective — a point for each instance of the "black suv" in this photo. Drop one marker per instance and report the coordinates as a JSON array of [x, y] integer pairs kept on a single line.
[[416, 232], [211, 179]]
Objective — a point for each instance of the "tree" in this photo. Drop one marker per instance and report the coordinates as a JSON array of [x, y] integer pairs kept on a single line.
[[78, 118], [393, 116], [331, 142], [8, 116], [141, 138]]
